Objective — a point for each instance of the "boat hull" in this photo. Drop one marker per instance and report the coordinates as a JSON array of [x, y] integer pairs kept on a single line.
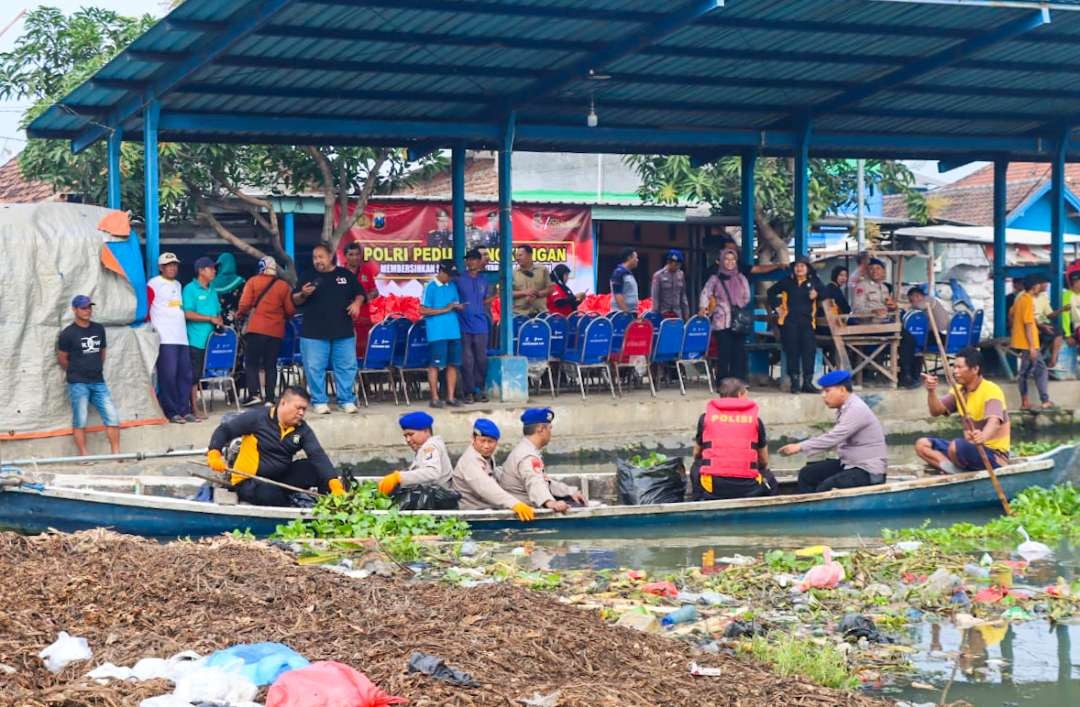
[[70, 510]]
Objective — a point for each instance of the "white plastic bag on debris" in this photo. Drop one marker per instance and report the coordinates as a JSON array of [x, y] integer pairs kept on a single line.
[[170, 669], [216, 686], [64, 650]]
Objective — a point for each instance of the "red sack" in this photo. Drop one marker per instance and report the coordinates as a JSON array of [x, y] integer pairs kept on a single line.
[[661, 589], [327, 684], [644, 305], [595, 304]]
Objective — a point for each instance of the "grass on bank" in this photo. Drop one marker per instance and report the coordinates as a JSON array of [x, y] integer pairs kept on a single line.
[[801, 657]]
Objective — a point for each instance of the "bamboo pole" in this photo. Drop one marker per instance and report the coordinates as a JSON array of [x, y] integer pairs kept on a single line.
[[244, 474]]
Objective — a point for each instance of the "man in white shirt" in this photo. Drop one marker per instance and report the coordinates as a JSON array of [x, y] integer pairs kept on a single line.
[[174, 361]]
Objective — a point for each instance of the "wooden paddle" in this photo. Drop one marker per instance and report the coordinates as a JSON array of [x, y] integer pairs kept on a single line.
[[961, 407], [244, 474]]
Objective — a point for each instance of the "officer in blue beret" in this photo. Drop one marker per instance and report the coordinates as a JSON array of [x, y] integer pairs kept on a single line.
[[523, 474], [476, 476], [857, 437], [431, 463]]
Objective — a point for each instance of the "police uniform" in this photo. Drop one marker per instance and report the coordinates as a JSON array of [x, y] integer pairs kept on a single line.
[[869, 298], [431, 465], [523, 475]]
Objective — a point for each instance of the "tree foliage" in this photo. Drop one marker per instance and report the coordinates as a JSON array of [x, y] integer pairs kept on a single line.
[[670, 179], [199, 182]]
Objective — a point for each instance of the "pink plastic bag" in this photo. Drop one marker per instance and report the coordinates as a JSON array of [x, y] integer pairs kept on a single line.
[[327, 684]]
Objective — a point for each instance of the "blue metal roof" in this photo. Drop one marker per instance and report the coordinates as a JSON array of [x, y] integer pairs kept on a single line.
[[932, 78]]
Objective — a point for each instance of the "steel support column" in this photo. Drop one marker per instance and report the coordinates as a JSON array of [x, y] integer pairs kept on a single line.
[[506, 239], [1057, 219], [116, 139], [1001, 168], [457, 190], [747, 208], [152, 113], [801, 187], [290, 237]]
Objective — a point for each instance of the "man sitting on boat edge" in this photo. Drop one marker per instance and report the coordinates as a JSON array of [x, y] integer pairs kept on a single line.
[[858, 438], [984, 402], [270, 439], [731, 455], [523, 475], [431, 465], [476, 476]]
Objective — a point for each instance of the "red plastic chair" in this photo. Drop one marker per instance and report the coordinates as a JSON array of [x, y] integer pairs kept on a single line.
[[637, 342]]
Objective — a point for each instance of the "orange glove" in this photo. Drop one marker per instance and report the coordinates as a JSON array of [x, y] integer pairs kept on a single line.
[[215, 461], [388, 483], [524, 511], [336, 487]]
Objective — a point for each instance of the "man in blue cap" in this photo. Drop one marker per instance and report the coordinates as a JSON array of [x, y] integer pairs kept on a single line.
[[858, 438], [668, 290], [523, 475], [431, 466], [476, 477], [80, 351]]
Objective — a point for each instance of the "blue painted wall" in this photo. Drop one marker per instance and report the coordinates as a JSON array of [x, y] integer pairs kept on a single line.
[[1034, 214]]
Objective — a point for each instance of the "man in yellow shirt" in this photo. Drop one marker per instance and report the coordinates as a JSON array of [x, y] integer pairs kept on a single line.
[[1025, 342], [531, 283], [984, 403]]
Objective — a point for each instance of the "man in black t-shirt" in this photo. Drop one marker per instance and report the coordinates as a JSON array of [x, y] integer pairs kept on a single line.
[[329, 298], [80, 351]]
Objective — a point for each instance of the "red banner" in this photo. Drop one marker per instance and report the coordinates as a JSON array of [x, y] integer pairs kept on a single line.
[[408, 239]]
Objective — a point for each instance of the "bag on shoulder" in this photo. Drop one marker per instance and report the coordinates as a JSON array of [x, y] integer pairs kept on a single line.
[[255, 306], [741, 320]]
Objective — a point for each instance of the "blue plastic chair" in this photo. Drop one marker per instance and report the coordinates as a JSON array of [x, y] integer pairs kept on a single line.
[[619, 322], [379, 357], [976, 328], [289, 364], [917, 323], [667, 345], [534, 343], [695, 346], [219, 365], [573, 323], [956, 339], [653, 318], [401, 339], [559, 333], [417, 355], [593, 352]]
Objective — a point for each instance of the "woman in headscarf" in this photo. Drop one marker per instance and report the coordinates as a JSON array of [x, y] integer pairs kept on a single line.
[[795, 300], [227, 284], [726, 288], [560, 299]]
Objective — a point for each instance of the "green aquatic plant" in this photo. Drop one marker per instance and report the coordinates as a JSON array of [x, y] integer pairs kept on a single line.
[[789, 656], [1048, 515], [351, 516], [1031, 448], [648, 461]]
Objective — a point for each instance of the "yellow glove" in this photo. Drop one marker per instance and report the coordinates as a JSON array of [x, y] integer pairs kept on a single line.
[[388, 483], [215, 461], [336, 487], [524, 511]]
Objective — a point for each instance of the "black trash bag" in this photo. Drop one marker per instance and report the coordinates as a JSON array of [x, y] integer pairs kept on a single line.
[[744, 629], [426, 497], [856, 626], [300, 500], [663, 483], [437, 668]]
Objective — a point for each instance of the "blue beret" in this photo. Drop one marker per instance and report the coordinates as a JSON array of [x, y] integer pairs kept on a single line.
[[834, 378], [877, 261], [534, 416], [486, 428], [416, 420]]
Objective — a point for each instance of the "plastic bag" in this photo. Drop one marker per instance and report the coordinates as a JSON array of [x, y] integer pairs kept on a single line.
[[437, 668], [426, 497], [663, 483], [214, 685], [64, 650], [327, 684], [261, 663]]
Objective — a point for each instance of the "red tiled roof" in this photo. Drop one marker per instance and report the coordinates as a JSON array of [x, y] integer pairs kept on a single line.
[[14, 189], [970, 201], [481, 182]]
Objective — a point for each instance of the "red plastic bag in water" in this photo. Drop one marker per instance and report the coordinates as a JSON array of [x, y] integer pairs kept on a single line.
[[327, 684]]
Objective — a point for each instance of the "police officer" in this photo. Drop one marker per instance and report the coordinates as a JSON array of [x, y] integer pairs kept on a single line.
[[430, 466], [872, 298], [731, 456], [269, 441], [476, 476], [523, 475]]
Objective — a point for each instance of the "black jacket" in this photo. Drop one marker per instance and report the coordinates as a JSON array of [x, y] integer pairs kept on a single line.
[[799, 304], [266, 449]]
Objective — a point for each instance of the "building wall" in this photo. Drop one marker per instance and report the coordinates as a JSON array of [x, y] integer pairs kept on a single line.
[[1039, 215]]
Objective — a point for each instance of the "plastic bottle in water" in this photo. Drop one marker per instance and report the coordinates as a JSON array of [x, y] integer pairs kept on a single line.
[[686, 614]]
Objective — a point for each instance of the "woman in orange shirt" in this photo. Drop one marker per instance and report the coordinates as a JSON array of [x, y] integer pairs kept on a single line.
[[268, 299]]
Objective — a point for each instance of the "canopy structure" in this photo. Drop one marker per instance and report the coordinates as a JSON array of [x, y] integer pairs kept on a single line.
[[955, 80]]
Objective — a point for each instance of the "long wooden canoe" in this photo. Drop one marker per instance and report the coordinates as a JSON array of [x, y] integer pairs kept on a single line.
[[67, 509]]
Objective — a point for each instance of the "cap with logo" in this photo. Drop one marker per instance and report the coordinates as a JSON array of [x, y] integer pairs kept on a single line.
[[166, 258]]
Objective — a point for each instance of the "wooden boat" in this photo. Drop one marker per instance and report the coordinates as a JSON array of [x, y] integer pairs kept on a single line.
[[66, 509]]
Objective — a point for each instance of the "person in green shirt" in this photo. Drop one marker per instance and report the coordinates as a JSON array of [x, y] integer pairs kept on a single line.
[[202, 310]]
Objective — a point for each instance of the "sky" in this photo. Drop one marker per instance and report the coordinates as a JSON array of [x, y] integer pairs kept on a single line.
[[11, 138]]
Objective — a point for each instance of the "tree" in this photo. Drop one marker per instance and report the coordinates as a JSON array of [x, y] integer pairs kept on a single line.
[[198, 182], [669, 179]]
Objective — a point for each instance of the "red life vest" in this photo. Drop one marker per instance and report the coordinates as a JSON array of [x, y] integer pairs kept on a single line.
[[730, 431]]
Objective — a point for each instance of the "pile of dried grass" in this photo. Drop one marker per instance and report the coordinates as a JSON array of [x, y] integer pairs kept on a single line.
[[133, 598]]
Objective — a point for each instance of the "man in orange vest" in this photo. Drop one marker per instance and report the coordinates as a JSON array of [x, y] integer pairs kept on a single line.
[[731, 458]]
